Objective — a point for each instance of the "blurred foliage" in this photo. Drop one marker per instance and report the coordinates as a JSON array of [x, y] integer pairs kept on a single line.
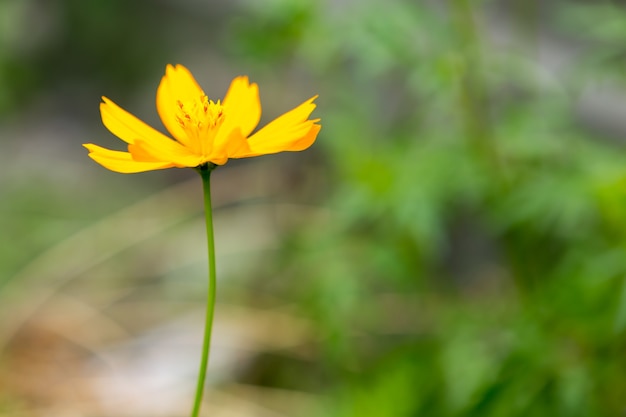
[[77, 45], [473, 262], [469, 257]]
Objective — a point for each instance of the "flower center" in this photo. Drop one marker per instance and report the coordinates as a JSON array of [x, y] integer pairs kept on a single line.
[[200, 119]]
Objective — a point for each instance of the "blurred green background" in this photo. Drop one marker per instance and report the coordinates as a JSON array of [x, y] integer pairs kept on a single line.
[[454, 244]]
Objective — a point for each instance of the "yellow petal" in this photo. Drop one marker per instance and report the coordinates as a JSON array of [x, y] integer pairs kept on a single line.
[[122, 161], [242, 105], [126, 126], [171, 152], [308, 139], [233, 146], [176, 85], [289, 132]]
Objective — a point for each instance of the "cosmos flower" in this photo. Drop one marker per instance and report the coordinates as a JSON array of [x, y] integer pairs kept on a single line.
[[203, 131]]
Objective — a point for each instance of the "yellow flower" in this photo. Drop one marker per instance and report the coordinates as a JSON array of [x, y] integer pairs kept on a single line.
[[204, 131]]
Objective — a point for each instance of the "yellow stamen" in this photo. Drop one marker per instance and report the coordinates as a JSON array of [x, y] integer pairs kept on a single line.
[[201, 120]]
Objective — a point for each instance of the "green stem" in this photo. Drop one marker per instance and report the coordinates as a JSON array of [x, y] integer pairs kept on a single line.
[[205, 173]]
